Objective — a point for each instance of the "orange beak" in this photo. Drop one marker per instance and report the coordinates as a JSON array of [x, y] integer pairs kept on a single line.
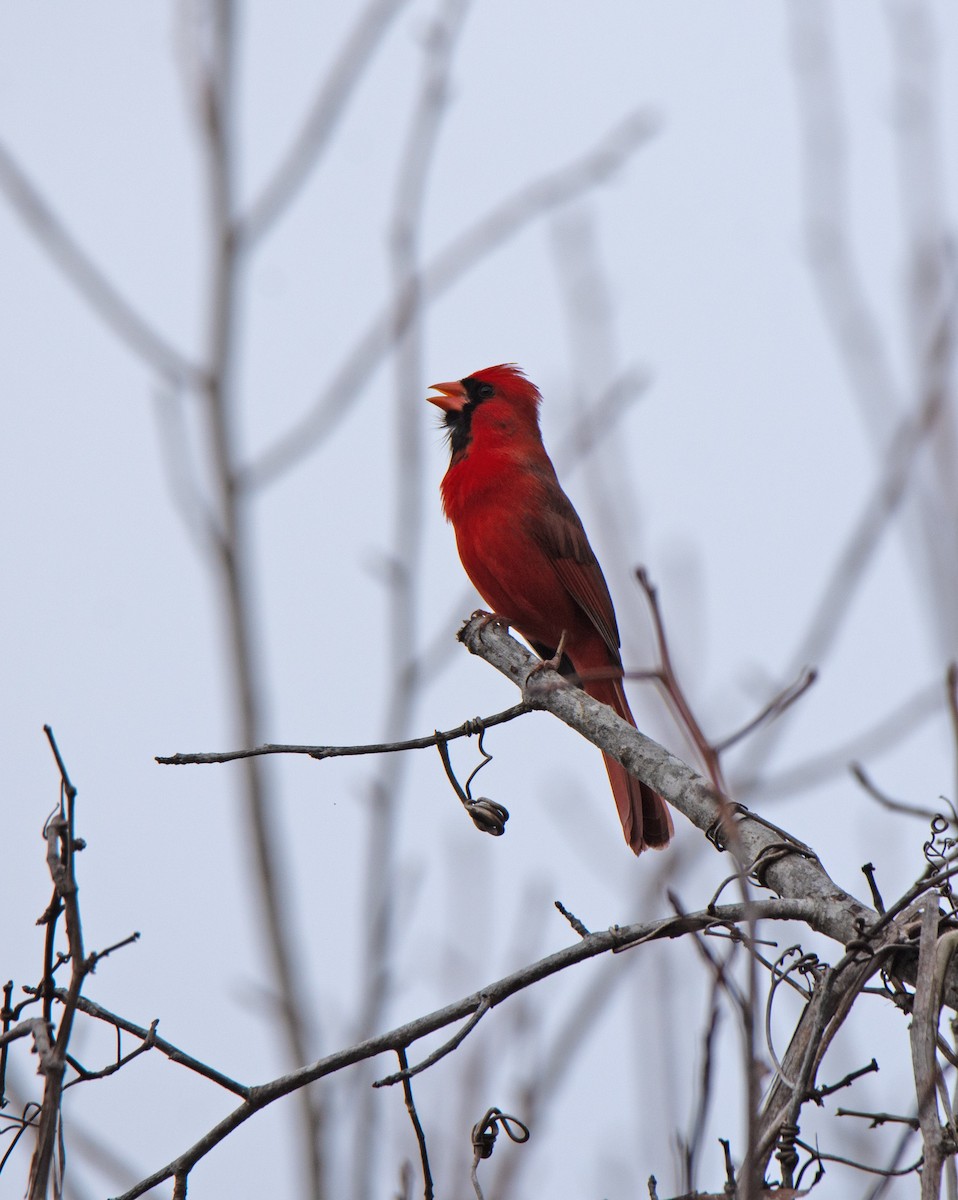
[[453, 396]]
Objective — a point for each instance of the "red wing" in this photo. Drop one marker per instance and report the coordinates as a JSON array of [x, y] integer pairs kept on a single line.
[[586, 584], [559, 531]]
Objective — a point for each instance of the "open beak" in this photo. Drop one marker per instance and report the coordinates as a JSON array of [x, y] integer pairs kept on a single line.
[[453, 396]]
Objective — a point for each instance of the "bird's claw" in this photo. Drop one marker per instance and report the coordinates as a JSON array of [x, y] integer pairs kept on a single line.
[[489, 618]]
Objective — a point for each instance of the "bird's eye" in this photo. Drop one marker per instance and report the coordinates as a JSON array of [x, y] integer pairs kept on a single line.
[[484, 391]]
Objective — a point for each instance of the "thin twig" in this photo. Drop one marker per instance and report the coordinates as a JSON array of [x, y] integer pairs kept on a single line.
[[773, 709], [440, 1053], [674, 692], [173, 1053], [416, 1123], [467, 729], [879, 1118]]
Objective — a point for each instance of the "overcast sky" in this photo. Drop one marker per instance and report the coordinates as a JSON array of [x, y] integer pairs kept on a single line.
[[737, 476]]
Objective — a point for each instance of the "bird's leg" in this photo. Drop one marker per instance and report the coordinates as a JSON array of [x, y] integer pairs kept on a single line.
[[550, 664], [546, 664]]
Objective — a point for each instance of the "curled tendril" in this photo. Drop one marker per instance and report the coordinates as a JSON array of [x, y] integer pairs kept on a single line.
[[715, 832], [485, 1132], [486, 815], [939, 851]]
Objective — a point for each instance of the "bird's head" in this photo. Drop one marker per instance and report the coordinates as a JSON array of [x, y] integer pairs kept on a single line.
[[497, 403]]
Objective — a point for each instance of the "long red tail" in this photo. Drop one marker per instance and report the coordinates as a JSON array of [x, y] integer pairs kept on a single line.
[[644, 814]]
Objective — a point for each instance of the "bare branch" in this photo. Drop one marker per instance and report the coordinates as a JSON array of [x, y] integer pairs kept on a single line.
[[903, 720], [61, 849], [416, 1123], [490, 996], [466, 729], [173, 1053]]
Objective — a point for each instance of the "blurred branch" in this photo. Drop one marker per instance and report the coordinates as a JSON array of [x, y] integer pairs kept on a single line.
[[403, 610], [910, 810], [232, 558], [932, 284], [900, 421], [771, 710], [473, 245], [597, 377], [856, 329], [690, 1147], [180, 471], [599, 419], [848, 574], [82, 272], [321, 122], [912, 435], [878, 738]]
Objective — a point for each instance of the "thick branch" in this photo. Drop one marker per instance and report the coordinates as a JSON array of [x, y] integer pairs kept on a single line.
[[784, 864], [924, 1031]]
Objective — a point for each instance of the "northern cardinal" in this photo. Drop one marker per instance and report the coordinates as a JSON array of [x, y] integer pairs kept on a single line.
[[523, 546]]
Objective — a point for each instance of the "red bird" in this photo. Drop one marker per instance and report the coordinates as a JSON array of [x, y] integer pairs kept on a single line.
[[524, 548]]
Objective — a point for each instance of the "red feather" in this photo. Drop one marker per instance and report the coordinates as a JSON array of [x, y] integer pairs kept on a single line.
[[523, 546]]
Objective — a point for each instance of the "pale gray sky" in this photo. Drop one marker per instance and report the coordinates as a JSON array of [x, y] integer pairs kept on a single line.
[[737, 478]]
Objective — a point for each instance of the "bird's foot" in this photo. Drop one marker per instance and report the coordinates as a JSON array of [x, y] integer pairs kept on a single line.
[[548, 664]]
